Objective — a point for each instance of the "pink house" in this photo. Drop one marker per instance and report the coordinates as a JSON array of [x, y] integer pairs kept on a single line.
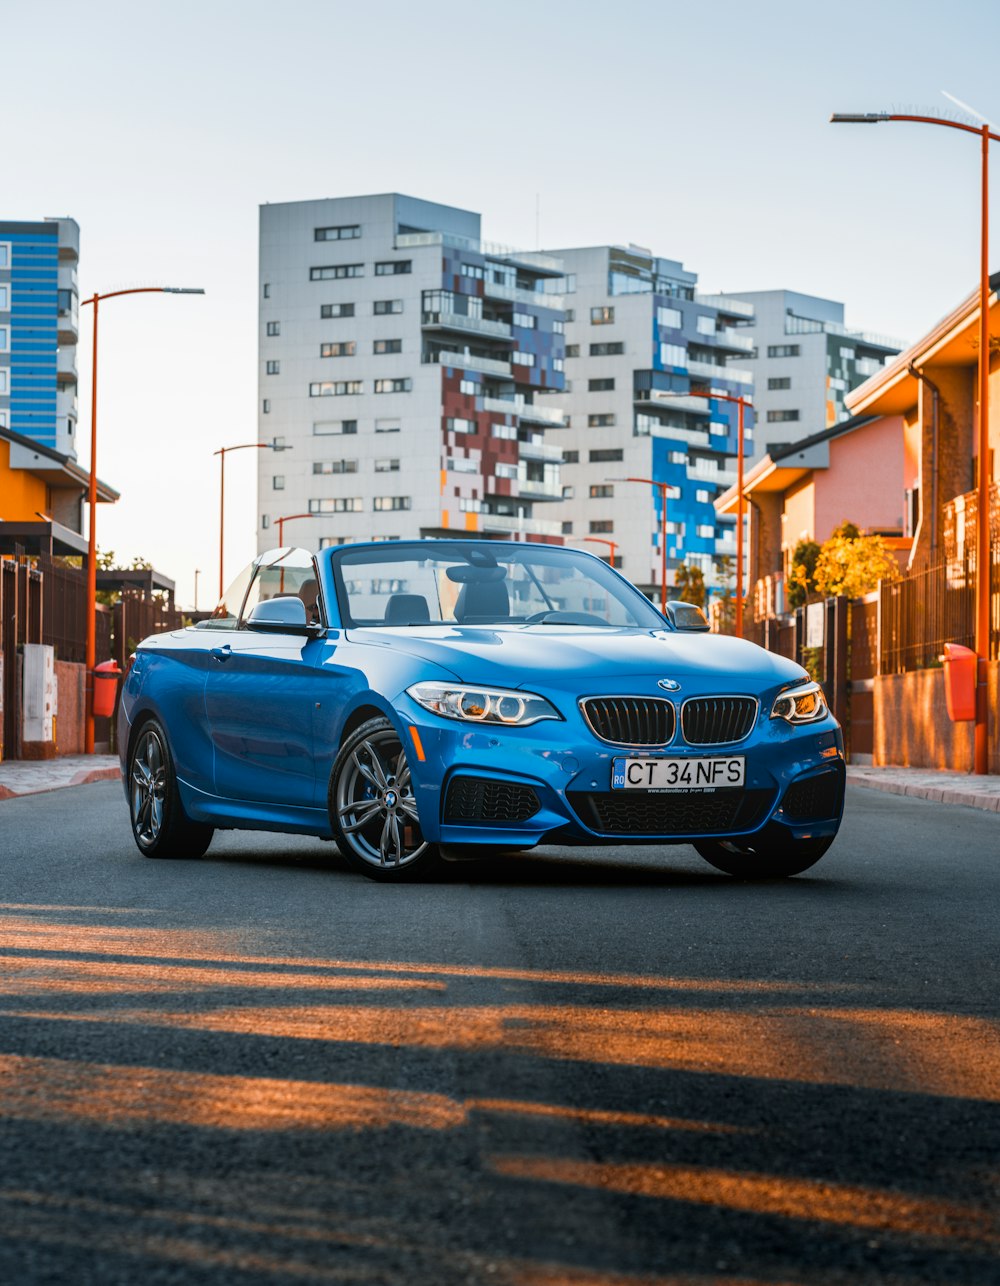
[[863, 470]]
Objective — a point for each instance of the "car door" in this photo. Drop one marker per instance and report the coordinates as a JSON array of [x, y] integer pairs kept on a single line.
[[260, 695]]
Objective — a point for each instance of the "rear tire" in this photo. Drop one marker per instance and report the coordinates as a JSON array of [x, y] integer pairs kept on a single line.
[[762, 857], [160, 827], [373, 812]]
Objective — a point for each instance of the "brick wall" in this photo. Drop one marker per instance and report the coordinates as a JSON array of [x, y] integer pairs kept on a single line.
[[912, 728]]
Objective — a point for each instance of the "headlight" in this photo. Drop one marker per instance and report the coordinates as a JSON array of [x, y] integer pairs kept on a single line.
[[805, 704], [482, 705]]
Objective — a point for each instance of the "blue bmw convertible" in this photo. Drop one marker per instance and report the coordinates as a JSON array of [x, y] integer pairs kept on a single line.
[[415, 700]]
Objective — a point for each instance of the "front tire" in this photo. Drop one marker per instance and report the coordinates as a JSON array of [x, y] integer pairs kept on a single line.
[[373, 811], [763, 857], [160, 827]]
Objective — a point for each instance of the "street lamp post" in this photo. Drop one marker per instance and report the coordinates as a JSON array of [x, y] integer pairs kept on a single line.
[[981, 756], [612, 545], [221, 453], [288, 518], [662, 487], [91, 648], [741, 404], [197, 573]]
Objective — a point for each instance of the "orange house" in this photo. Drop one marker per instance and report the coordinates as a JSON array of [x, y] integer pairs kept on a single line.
[[39, 484]]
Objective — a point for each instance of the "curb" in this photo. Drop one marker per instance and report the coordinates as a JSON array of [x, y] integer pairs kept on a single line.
[[985, 802], [86, 775], [7, 794]]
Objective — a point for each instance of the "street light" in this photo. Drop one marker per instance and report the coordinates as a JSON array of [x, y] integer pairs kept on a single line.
[[741, 402], [612, 545], [91, 650], [981, 757], [281, 525], [221, 453], [663, 487]]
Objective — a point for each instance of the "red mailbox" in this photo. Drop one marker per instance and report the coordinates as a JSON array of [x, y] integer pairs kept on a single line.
[[105, 688], [960, 666]]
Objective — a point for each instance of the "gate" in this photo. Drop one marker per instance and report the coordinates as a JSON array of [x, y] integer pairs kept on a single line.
[[20, 623]]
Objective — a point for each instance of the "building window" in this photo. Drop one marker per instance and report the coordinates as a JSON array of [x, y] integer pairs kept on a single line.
[[673, 355], [388, 346], [343, 348], [558, 328], [278, 482], [602, 316], [572, 350], [463, 464], [558, 364], [328, 311], [382, 504], [334, 428], [602, 491], [607, 456], [607, 350], [677, 457], [525, 320], [3, 379], [669, 317], [599, 525], [567, 529], [272, 368], [703, 497], [345, 232], [337, 271], [473, 270], [783, 382], [394, 386], [335, 388], [267, 401], [273, 329], [338, 505], [603, 421], [505, 431], [388, 426], [600, 386], [335, 466], [265, 290], [265, 521], [393, 267], [569, 493], [522, 359], [386, 306], [469, 387], [569, 314], [706, 325], [782, 417], [455, 424], [386, 466], [571, 457], [783, 350]]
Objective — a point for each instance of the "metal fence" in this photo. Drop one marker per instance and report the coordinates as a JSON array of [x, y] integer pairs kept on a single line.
[[928, 609], [20, 623]]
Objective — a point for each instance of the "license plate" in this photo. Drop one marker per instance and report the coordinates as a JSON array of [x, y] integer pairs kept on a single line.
[[709, 773]]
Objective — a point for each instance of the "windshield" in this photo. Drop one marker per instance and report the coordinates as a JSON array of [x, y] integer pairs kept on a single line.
[[484, 583]]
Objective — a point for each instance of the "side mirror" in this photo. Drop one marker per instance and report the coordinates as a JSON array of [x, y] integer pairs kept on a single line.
[[281, 616], [687, 617]]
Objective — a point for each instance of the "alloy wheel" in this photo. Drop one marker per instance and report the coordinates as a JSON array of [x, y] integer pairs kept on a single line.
[[375, 806]]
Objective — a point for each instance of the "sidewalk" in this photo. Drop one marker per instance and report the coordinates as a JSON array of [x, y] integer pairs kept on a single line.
[[928, 783], [29, 776]]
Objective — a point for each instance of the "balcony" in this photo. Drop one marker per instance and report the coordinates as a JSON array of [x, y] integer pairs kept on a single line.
[[675, 401], [726, 304], [736, 340], [709, 371], [865, 338], [536, 489], [718, 477], [515, 295], [525, 526], [552, 417], [466, 325], [539, 451], [468, 362]]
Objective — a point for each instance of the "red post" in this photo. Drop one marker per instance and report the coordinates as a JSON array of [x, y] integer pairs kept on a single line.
[[739, 521], [90, 655], [981, 749], [663, 547]]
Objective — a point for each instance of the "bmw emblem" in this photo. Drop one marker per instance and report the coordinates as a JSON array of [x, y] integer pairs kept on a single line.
[[669, 685]]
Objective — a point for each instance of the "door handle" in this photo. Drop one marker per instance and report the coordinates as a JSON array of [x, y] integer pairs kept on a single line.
[[222, 653]]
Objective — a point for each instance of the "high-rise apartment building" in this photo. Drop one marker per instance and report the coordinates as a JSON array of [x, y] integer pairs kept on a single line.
[[400, 361], [804, 363], [38, 331], [638, 339]]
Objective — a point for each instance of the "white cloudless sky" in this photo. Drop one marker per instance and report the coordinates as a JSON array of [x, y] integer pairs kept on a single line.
[[698, 130]]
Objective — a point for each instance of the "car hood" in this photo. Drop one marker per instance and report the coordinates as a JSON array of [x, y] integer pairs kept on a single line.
[[560, 656]]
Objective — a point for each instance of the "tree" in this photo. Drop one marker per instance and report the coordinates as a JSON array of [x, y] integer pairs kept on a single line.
[[802, 577], [725, 613], [853, 565], [691, 583]]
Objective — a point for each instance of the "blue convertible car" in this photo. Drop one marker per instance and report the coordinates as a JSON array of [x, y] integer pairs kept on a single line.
[[430, 698]]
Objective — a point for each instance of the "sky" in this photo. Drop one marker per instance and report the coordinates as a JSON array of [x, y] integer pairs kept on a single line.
[[697, 130]]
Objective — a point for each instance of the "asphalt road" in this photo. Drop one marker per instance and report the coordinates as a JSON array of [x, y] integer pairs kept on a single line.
[[613, 1067]]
